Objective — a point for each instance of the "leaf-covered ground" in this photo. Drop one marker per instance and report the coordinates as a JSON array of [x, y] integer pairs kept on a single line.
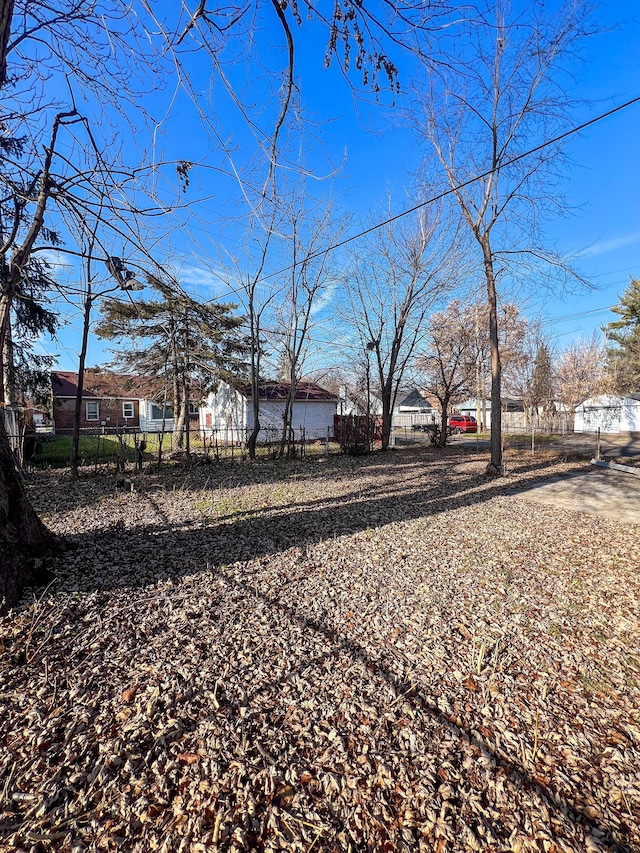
[[385, 654]]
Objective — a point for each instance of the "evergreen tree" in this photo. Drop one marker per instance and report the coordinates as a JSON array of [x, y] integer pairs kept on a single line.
[[624, 357], [186, 345], [27, 373], [542, 378]]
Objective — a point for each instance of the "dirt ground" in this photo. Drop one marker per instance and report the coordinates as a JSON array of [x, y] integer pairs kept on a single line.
[[393, 653]]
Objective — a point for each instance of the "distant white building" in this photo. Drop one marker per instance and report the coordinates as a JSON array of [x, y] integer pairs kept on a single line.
[[357, 405], [228, 412], [609, 414], [512, 411]]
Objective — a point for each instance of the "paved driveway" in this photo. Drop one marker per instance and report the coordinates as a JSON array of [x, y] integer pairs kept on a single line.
[[596, 491]]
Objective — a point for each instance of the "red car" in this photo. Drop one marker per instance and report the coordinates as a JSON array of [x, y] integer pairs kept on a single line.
[[462, 423]]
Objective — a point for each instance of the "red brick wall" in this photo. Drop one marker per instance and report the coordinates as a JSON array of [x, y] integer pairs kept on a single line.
[[108, 410]]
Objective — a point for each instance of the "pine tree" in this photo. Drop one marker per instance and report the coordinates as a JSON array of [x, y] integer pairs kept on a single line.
[[624, 358], [183, 343], [542, 378], [27, 373]]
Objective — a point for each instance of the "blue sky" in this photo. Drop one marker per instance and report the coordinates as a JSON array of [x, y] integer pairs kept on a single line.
[[602, 183]]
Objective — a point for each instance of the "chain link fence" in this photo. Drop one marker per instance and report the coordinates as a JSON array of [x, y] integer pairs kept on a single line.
[[623, 448], [124, 447]]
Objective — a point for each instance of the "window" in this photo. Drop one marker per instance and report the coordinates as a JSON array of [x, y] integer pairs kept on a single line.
[[193, 408], [93, 411], [127, 410], [156, 412]]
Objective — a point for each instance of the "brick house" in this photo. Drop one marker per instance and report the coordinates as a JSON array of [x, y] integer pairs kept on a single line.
[[113, 400], [108, 399]]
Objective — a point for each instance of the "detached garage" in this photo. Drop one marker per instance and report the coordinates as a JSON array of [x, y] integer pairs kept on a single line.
[[609, 414], [229, 411]]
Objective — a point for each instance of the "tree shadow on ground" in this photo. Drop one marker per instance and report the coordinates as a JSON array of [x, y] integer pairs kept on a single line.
[[91, 487], [140, 557], [169, 550], [405, 688]]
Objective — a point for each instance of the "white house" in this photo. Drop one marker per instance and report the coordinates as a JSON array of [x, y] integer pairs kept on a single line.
[[414, 409], [415, 403], [228, 412], [357, 405], [609, 413]]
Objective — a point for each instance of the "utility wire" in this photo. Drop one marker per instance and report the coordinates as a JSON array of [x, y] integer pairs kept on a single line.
[[451, 190]]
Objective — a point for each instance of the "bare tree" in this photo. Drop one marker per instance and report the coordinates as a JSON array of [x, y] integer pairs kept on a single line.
[[56, 164], [501, 94], [308, 228], [365, 40], [447, 357], [245, 276], [393, 281], [581, 371]]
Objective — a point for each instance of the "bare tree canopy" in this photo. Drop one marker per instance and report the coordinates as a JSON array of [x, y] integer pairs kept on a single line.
[[447, 358], [394, 279], [581, 371], [504, 90]]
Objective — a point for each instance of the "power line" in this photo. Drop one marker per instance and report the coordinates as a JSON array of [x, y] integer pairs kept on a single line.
[[439, 196], [577, 315]]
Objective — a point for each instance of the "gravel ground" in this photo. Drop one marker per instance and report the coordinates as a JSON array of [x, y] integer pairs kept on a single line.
[[388, 654]]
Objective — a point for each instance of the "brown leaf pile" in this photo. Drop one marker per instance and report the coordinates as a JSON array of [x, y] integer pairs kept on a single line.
[[384, 654]]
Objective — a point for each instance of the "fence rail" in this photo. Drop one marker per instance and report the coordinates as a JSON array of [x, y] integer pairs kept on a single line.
[[131, 445]]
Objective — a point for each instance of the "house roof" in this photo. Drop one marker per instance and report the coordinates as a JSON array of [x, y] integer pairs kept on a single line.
[[509, 404], [415, 400], [103, 384], [97, 383], [305, 391], [609, 401]]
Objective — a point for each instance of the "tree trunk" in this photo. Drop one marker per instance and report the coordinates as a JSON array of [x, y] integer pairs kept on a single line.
[[187, 419], [176, 435], [495, 465], [180, 416], [443, 422], [24, 540], [287, 417], [6, 18], [255, 380], [75, 438], [386, 416], [5, 321], [255, 405], [9, 371]]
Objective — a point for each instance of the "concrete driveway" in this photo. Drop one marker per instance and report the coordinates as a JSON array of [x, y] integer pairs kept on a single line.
[[595, 491]]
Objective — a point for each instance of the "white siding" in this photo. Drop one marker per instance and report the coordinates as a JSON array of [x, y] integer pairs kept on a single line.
[[312, 416], [608, 413], [147, 423], [229, 414], [225, 413]]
